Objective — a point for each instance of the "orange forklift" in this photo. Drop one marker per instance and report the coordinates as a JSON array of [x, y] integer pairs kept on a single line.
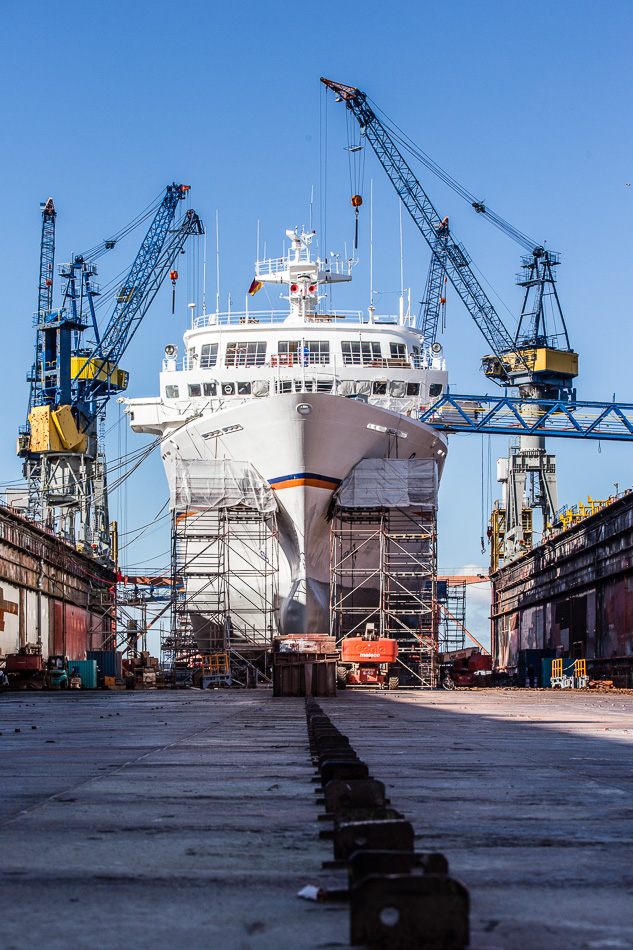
[[368, 660]]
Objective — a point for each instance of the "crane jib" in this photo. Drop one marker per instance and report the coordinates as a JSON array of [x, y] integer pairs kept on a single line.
[[455, 261]]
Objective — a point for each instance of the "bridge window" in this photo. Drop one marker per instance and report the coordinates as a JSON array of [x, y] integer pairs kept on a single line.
[[195, 389], [243, 389], [379, 387], [171, 392], [210, 389], [208, 355], [245, 354], [356, 353], [228, 389], [310, 351], [398, 351], [435, 389], [413, 389]]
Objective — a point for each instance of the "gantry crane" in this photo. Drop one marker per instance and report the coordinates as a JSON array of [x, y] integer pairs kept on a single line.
[[540, 363], [71, 380]]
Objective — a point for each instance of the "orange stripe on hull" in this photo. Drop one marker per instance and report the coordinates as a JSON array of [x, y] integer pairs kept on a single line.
[[312, 482]]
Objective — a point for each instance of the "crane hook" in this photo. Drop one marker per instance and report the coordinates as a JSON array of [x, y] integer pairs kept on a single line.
[[174, 277], [356, 203]]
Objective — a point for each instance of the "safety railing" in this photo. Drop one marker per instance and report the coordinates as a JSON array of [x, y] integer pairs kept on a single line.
[[299, 359], [236, 318]]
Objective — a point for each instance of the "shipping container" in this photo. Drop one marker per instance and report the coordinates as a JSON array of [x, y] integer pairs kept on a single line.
[[109, 662], [87, 669], [530, 667]]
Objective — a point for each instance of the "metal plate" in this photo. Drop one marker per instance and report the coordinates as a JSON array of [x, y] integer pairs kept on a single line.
[[403, 911]]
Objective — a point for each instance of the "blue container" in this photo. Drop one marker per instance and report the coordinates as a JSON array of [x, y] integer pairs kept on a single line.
[[87, 669], [108, 662]]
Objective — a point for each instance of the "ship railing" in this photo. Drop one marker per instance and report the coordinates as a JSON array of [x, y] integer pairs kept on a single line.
[[424, 361], [282, 361], [253, 317], [298, 359], [235, 318], [276, 265]]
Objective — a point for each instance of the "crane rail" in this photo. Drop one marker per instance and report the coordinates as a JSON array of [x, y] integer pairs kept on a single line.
[[510, 415]]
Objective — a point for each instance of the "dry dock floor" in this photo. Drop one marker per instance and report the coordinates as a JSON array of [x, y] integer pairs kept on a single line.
[[168, 819]]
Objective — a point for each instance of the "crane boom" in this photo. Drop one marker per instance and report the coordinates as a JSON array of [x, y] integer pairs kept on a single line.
[[47, 258], [133, 291], [434, 296], [45, 287], [153, 262], [72, 381], [456, 261]]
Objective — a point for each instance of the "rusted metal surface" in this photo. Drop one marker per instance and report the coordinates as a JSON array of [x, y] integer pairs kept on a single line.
[[304, 666], [355, 793], [373, 835], [403, 911], [363, 863], [571, 593], [47, 592], [398, 899]]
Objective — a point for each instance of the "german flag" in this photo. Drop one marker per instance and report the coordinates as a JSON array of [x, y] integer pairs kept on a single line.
[[255, 286]]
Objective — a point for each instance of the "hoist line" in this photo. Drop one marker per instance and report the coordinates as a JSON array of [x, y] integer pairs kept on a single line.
[[421, 156]]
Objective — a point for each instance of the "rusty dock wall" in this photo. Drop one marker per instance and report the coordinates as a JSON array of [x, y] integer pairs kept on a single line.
[[50, 594], [572, 594]]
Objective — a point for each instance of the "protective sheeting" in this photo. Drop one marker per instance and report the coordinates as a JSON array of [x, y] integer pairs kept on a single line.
[[390, 483], [398, 387], [260, 387], [218, 483]]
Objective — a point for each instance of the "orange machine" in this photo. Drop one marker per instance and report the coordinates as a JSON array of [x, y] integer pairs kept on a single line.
[[368, 661]]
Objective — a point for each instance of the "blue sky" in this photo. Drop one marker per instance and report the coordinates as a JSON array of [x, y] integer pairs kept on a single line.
[[527, 105]]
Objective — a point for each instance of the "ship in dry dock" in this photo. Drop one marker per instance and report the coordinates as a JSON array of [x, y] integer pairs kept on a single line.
[[277, 415]]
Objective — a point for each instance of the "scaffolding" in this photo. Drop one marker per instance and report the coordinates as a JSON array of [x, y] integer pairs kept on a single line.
[[225, 568], [126, 625], [383, 569], [451, 598]]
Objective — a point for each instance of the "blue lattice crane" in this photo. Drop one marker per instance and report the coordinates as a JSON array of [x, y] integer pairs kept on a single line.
[[435, 292], [72, 379], [44, 289], [536, 362], [539, 362]]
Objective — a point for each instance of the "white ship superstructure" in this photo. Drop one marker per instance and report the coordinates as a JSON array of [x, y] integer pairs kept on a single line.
[[297, 399]]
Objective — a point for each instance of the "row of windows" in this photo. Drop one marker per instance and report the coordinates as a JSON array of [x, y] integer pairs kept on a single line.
[[292, 352], [261, 387]]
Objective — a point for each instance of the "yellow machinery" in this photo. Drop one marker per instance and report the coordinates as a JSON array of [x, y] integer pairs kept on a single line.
[[545, 361], [216, 670], [497, 535], [54, 430], [83, 368]]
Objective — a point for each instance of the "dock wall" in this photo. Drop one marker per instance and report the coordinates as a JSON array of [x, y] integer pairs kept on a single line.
[[50, 594], [573, 593]]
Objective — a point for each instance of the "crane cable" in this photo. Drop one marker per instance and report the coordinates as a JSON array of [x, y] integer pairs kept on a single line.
[[356, 168], [402, 138], [94, 253]]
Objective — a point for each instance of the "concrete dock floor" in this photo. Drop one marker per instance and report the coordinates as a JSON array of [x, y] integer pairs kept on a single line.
[[170, 819]]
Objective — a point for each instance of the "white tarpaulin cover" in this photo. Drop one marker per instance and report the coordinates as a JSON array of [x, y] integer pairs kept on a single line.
[[219, 483], [390, 483]]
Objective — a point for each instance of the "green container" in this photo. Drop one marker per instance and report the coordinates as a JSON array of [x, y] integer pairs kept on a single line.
[[568, 670], [87, 669]]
